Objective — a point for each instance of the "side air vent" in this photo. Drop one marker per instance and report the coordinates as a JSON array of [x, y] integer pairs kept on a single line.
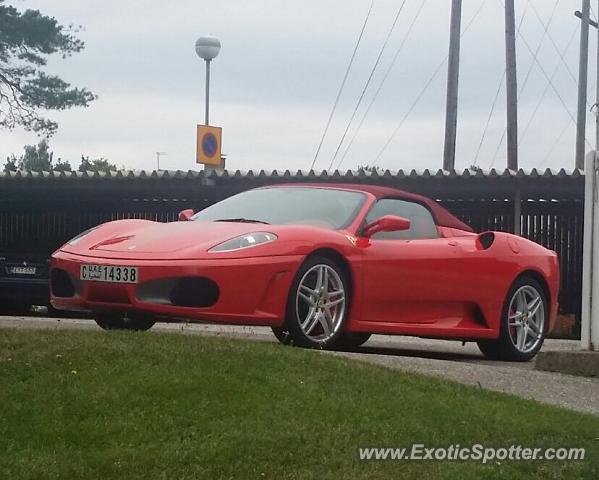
[[486, 239]]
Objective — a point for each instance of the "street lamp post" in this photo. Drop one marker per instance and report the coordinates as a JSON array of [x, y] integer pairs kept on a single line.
[[207, 48]]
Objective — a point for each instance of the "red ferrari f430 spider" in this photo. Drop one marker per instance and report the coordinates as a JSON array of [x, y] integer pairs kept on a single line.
[[324, 265]]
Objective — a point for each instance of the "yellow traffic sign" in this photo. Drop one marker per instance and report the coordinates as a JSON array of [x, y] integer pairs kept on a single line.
[[209, 142]]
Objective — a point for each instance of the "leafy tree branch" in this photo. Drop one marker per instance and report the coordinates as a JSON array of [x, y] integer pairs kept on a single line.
[[27, 91]]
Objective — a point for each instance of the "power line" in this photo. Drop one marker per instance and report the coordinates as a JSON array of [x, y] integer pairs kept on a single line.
[[530, 68], [555, 144], [538, 49], [349, 65], [498, 148], [496, 98], [424, 89], [549, 84], [407, 114], [539, 103], [482, 138], [374, 67], [563, 60], [390, 67], [546, 89], [593, 88], [550, 81]]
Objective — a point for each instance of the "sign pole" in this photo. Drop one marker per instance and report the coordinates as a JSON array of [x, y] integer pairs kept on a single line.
[[207, 121]]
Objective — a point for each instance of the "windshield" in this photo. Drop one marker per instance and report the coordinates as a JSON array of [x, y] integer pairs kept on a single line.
[[319, 207]]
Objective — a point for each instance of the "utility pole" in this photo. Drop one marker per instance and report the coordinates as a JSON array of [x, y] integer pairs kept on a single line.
[[453, 73], [583, 63], [511, 86], [592, 23]]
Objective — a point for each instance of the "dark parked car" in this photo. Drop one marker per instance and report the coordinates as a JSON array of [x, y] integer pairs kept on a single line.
[[23, 282]]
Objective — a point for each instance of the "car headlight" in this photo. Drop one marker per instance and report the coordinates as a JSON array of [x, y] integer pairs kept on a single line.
[[244, 241], [78, 238]]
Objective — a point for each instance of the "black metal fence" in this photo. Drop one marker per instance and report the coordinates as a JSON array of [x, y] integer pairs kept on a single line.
[[38, 213], [557, 225]]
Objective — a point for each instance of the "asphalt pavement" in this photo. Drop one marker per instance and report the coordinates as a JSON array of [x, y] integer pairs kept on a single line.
[[449, 360]]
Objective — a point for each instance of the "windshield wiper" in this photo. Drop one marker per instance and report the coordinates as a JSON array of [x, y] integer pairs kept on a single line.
[[241, 220]]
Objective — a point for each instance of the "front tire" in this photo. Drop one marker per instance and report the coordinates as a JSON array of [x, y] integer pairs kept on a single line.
[[119, 321], [282, 335], [317, 306], [523, 324]]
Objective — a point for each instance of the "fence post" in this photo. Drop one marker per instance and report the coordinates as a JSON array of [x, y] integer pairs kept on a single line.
[[517, 211], [589, 322]]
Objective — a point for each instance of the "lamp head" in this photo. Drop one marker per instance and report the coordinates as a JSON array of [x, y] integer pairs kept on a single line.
[[207, 47]]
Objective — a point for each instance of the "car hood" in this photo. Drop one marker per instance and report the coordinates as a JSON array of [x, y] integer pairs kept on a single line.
[[157, 238]]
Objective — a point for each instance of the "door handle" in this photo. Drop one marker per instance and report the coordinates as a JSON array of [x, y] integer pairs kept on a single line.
[[452, 243]]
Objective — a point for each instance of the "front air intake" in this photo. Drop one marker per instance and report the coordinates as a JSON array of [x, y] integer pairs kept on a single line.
[[198, 292], [194, 292], [61, 284]]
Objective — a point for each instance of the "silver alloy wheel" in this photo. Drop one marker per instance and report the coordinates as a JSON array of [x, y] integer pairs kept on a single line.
[[526, 318], [320, 303]]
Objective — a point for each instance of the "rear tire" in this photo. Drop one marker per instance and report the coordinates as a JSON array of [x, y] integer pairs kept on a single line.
[[524, 323], [119, 321]]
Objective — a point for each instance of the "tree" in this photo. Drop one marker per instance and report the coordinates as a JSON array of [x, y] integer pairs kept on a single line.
[[11, 164], [37, 158], [369, 168], [62, 166], [27, 39], [97, 165]]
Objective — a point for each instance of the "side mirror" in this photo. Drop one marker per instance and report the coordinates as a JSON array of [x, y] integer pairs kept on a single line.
[[386, 223], [185, 215]]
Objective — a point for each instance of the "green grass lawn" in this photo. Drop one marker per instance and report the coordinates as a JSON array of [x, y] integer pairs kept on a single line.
[[81, 404]]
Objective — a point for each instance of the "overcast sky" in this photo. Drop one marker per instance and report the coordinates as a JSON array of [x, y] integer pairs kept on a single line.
[[281, 64]]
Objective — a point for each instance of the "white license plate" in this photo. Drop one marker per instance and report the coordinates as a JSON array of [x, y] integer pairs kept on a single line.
[[108, 273], [23, 270]]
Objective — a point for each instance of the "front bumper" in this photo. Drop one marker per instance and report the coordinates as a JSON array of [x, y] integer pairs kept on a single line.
[[252, 291]]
